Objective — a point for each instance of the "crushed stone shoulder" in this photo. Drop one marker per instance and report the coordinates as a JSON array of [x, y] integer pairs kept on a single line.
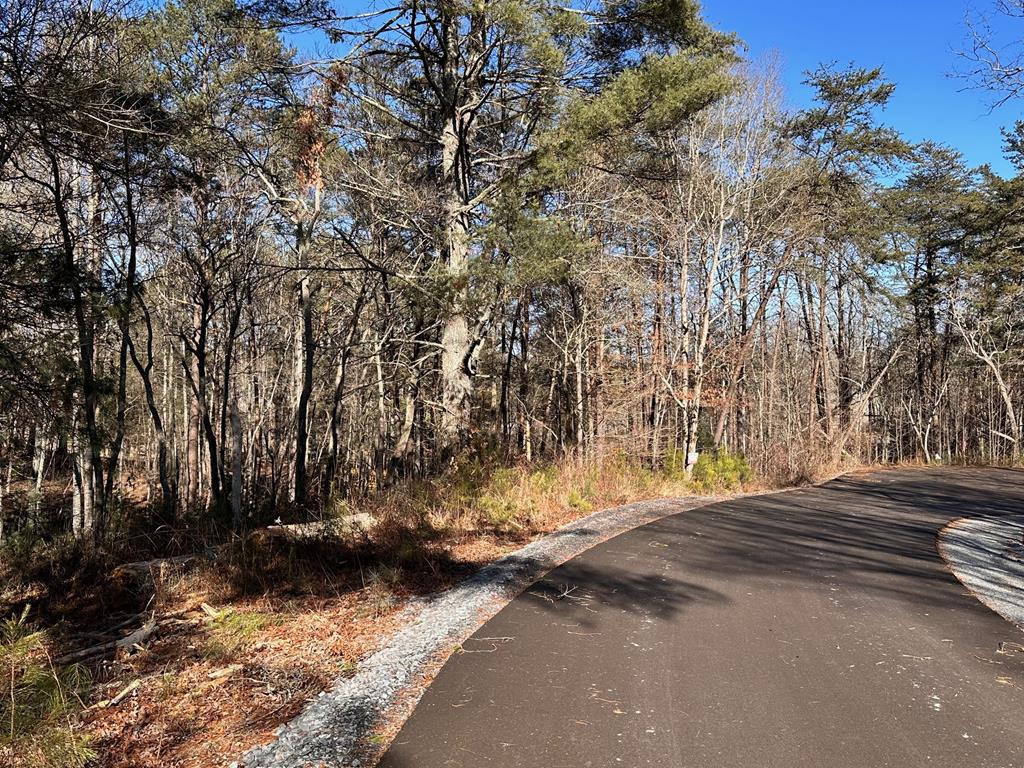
[[986, 555], [332, 729]]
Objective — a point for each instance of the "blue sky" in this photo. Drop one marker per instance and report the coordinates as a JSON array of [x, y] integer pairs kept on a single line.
[[916, 43]]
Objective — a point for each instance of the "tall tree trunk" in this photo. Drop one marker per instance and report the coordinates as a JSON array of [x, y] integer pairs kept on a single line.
[[198, 376], [237, 517], [90, 462], [459, 95], [304, 356], [526, 426], [38, 467], [194, 415], [124, 322]]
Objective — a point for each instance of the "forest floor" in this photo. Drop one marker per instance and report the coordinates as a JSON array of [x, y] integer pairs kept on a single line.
[[226, 667], [195, 660]]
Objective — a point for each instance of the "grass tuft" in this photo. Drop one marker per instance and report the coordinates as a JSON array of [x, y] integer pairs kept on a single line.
[[233, 632]]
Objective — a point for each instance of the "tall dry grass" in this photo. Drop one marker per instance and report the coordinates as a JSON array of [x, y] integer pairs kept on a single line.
[[479, 496]]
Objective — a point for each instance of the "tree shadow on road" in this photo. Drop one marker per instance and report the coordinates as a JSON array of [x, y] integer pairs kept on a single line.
[[580, 590], [875, 533]]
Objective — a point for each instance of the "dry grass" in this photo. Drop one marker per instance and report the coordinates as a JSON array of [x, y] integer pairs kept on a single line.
[[478, 499]]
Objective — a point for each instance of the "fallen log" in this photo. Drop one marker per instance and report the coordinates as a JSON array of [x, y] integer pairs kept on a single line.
[[360, 522], [145, 568], [140, 635]]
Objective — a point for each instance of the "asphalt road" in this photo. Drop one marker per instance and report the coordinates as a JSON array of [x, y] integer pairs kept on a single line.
[[816, 627]]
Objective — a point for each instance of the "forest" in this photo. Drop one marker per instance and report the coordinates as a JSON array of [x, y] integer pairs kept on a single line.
[[237, 282], [265, 263]]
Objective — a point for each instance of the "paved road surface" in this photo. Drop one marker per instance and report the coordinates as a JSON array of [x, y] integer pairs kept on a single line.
[[817, 627]]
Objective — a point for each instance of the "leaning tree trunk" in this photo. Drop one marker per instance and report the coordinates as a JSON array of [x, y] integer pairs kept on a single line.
[[168, 485]]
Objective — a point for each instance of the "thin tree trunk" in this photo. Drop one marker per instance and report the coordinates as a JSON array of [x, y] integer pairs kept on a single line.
[[304, 357]]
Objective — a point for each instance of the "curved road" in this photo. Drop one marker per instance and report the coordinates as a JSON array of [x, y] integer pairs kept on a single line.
[[816, 627]]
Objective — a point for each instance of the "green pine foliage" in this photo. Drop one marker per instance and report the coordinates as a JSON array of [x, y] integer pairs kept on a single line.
[[39, 703], [660, 93], [720, 471]]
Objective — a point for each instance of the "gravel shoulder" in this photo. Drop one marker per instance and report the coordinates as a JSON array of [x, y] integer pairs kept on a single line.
[[987, 556], [334, 730]]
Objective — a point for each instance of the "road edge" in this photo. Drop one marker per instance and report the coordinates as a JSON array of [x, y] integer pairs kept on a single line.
[[985, 555], [332, 729]]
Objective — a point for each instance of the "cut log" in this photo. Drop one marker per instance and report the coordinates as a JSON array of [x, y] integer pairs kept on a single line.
[[357, 523]]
